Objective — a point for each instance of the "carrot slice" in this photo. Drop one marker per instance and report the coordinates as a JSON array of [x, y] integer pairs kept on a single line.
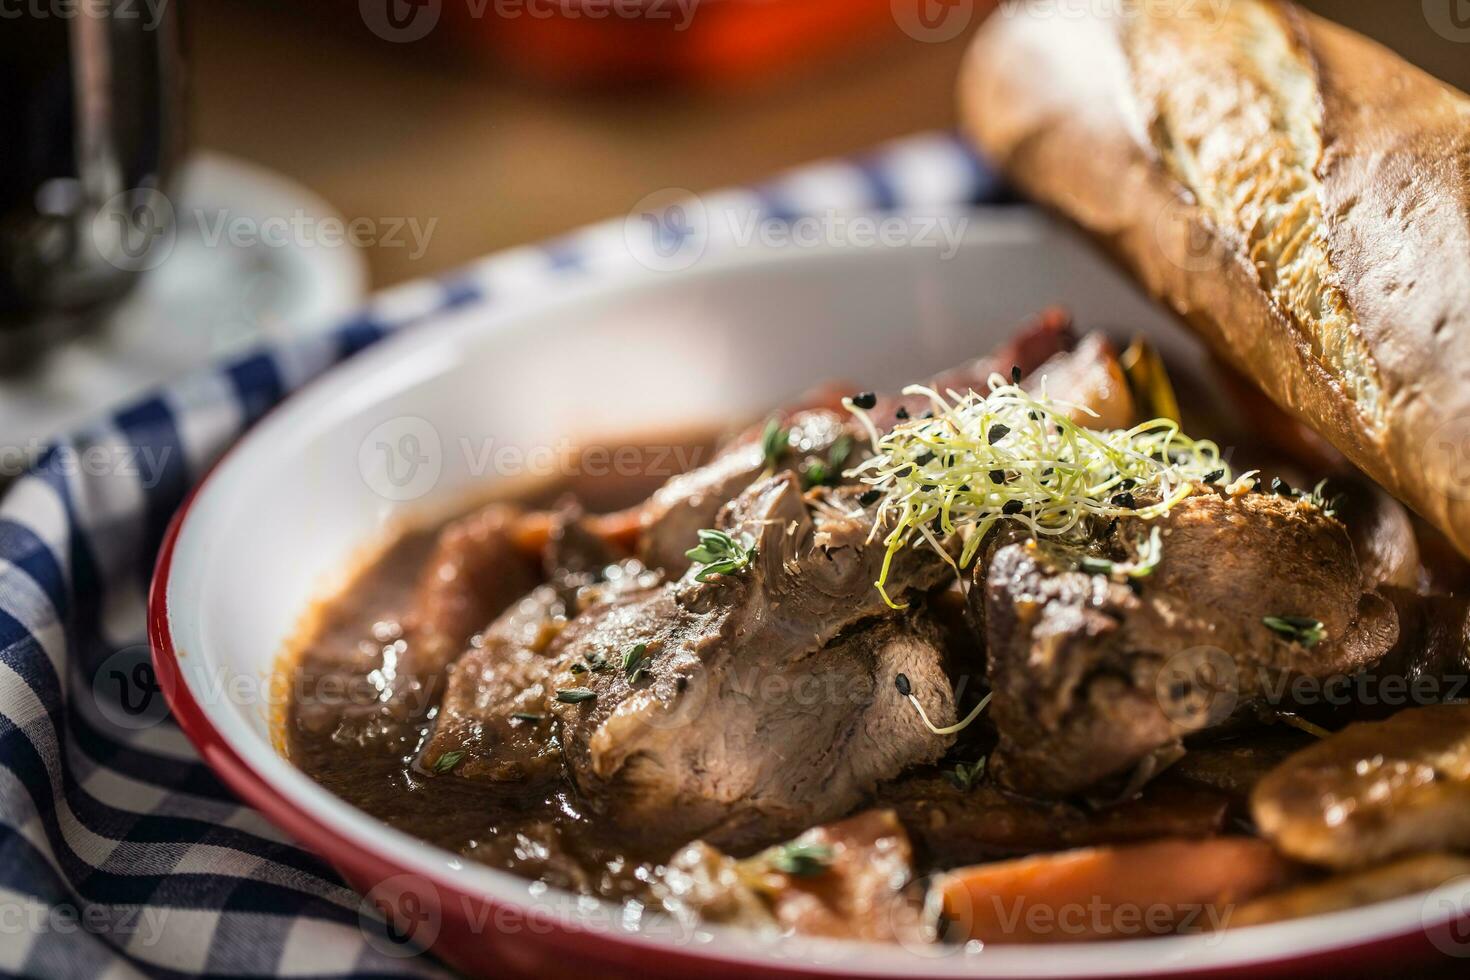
[[1110, 892], [619, 529]]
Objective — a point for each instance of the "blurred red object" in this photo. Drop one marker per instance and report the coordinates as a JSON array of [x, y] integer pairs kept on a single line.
[[711, 42]]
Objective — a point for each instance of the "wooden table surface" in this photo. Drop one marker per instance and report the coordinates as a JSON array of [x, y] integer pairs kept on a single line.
[[402, 131], [382, 131]]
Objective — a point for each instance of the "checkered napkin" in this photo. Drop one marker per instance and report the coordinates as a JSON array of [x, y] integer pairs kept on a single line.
[[120, 853]]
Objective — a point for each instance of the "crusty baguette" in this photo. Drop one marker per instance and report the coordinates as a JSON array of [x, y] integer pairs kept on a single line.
[[1299, 195]]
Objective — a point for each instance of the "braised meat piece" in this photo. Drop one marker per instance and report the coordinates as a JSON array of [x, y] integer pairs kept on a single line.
[[1373, 791], [954, 824], [1234, 766], [1091, 378], [848, 880], [1048, 336], [1095, 679], [575, 554], [845, 881], [762, 700], [474, 573], [1433, 652], [493, 723], [1429, 663], [674, 515], [1381, 529]]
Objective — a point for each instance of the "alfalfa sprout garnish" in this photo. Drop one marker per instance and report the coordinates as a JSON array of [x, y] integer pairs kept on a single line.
[[936, 476]]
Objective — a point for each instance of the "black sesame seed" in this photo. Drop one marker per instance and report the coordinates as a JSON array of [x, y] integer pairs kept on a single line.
[[870, 497], [1034, 415], [1128, 483], [902, 414], [928, 487], [865, 400], [924, 460], [1047, 472], [997, 476], [1125, 500], [1214, 475], [997, 433], [902, 683], [928, 415], [1280, 487], [964, 488], [1012, 508], [1015, 374]]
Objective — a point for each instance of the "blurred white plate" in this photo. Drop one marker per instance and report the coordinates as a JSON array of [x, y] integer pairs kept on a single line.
[[213, 295]]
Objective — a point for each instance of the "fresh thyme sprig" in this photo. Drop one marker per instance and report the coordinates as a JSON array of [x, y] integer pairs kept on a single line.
[[720, 554], [820, 472], [448, 760], [965, 777], [802, 860], [633, 663], [1297, 629], [775, 441]]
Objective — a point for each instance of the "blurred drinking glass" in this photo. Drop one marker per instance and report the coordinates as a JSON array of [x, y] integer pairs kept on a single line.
[[90, 131]]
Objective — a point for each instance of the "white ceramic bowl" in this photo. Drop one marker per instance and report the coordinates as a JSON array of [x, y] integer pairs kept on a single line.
[[311, 486]]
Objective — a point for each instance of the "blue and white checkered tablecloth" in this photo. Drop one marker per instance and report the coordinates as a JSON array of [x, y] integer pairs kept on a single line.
[[120, 853]]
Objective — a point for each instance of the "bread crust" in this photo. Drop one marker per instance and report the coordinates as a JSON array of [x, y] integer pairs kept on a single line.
[[1297, 194]]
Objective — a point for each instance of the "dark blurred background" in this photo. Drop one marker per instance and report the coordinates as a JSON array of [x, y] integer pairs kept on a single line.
[[147, 156], [510, 135]]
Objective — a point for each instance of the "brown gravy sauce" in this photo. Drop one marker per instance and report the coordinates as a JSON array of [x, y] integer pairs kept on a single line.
[[332, 671]]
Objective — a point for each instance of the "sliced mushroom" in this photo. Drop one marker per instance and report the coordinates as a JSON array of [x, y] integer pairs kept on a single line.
[[1373, 791]]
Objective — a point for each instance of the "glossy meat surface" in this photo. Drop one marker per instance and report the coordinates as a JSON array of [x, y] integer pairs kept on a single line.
[[1094, 677]]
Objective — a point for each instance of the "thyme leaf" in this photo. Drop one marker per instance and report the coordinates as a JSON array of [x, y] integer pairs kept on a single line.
[[633, 659], [448, 760], [775, 440], [1297, 629], [965, 777], [802, 860], [719, 554]]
